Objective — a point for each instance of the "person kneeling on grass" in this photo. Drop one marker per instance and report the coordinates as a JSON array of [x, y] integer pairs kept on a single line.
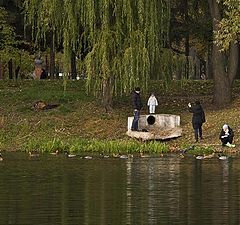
[[226, 136]]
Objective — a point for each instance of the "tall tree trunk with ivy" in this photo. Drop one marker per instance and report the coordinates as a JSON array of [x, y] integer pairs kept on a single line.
[[224, 63]]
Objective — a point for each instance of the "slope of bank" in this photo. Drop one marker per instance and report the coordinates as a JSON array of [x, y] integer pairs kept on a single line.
[[80, 123]]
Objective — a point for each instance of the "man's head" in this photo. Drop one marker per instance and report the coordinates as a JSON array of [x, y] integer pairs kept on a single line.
[[137, 89], [197, 102], [225, 127]]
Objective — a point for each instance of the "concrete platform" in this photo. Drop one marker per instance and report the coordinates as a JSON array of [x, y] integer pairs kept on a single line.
[[159, 127]]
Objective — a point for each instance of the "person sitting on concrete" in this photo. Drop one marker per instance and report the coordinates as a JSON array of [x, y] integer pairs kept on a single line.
[[152, 103], [198, 118], [226, 136], [137, 106]]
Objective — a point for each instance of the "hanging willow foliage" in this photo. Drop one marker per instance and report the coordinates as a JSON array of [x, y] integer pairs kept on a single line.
[[123, 38]]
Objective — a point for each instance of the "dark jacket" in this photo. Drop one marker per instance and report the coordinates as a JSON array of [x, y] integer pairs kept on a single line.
[[198, 114], [136, 101], [230, 131], [43, 74]]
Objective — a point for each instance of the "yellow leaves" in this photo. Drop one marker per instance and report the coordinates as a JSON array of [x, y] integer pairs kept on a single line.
[[229, 26]]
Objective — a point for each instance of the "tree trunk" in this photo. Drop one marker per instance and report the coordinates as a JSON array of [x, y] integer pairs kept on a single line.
[[238, 70], [222, 94], [107, 99], [52, 57], [46, 63], [187, 54], [187, 45], [17, 72], [1, 70], [223, 76], [10, 69], [209, 70], [73, 65]]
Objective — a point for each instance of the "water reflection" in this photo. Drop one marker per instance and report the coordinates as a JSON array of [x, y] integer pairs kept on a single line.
[[166, 190]]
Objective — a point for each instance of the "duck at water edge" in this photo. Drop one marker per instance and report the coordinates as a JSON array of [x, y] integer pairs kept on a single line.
[[33, 154], [222, 157], [54, 153]]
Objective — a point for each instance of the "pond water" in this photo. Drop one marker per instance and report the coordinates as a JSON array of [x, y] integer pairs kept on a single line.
[[50, 190]]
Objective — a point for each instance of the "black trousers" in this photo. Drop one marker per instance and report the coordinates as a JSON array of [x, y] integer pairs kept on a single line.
[[225, 140], [197, 130], [135, 120]]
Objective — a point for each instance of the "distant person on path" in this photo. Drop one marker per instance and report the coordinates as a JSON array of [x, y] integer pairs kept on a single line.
[[198, 119], [39, 73], [226, 136], [152, 103], [43, 74], [137, 106]]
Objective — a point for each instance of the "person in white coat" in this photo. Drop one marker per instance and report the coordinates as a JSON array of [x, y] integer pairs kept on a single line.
[[152, 103]]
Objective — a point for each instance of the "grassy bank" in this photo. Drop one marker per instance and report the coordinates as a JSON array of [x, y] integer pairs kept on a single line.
[[80, 124]]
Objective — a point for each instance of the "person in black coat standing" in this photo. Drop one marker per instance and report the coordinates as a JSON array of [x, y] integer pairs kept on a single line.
[[198, 119], [137, 106]]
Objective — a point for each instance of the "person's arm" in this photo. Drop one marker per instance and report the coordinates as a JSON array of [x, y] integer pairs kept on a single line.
[[134, 101], [231, 133], [140, 104], [190, 109], [222, 135], [203, 117], [195, 110], [156, 101], [148, 103]]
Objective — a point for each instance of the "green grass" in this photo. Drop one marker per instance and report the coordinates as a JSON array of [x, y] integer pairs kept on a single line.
[[80, 124], [93, 146]]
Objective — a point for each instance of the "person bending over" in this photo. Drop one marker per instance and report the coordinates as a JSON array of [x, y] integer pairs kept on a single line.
[[226, 136]]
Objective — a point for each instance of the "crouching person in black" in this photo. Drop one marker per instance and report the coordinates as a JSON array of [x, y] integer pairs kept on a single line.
[[226, 136]]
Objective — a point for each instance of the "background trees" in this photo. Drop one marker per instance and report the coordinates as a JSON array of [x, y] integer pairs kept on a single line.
[[229, 26], [225, 63], [13, 57], [117, 45], [119, 42]]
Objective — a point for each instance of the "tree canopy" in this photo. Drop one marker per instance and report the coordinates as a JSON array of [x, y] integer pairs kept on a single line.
[[119, 42], [229, 26]]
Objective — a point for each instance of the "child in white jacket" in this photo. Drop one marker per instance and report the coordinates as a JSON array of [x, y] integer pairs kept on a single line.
[[152, 103]]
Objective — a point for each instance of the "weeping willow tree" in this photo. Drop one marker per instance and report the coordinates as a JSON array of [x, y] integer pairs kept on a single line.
[[119, 41]]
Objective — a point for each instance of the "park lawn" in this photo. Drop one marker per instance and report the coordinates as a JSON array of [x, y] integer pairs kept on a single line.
[[81, 121]]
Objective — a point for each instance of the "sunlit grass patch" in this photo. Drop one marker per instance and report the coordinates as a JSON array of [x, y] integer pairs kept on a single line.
[[79, 145]]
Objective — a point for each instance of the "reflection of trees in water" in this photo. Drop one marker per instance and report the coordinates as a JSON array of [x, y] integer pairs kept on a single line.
[[129, 192], [153, 192], [170, 190], [225, 189], [166, 190], [210, 193]]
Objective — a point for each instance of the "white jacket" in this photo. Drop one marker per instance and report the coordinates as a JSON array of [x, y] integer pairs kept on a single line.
[[152, 101]]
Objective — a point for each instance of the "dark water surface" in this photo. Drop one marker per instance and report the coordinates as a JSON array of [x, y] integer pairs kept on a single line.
[[52, 190]]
